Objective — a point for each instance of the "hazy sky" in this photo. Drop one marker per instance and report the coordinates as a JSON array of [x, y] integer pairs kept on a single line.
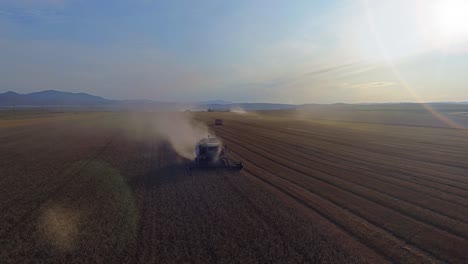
[[254, 51]]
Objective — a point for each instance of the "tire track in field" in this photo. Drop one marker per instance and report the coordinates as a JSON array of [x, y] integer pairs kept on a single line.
[[440, 221], [370, 235], [337, 136], [335, 232], [409, 168], [214, 199], [461, 136], [301, 172], [338, 141], [385, 124], [459, 216], [210, 200], [359, 169], [421, 145], [365, 193], [391, 178], [355, 160], [425, 247]]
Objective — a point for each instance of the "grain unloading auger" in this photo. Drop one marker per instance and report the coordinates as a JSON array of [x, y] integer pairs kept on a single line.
[[210, 154]]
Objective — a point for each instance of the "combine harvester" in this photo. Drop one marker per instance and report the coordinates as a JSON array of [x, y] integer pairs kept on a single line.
[[210, 154], [218, 122]]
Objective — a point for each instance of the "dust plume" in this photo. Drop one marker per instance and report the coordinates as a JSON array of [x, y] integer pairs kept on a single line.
[[238, 110], [181, 131]]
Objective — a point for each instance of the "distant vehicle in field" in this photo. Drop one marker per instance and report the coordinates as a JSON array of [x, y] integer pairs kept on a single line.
[[210, 153], [218, 110], [218, 122]]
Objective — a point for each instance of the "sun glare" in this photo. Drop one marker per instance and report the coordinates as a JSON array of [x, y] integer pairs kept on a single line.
[[451, 19]]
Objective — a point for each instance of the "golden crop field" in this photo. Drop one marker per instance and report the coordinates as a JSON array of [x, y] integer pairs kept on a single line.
[[112, 188]]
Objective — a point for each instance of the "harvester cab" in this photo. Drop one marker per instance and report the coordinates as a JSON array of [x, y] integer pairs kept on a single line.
[[208, 150], [210, 153]]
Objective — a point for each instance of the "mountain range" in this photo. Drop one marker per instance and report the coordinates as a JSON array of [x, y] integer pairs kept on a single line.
[[52, 98]]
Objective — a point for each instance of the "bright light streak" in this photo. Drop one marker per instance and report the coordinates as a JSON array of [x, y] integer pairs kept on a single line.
[[451, 19]]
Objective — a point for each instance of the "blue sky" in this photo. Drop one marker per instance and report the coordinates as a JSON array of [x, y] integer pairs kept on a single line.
[[251, 51]]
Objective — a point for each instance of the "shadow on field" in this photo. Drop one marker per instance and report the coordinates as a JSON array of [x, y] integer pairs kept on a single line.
[[168, 167], [174, 174], [170, 174]]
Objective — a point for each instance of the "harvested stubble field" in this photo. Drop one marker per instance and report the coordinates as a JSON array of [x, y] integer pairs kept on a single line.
[[104, 187]]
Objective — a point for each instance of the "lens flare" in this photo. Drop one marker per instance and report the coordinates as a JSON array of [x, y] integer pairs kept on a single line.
[[399, 76], [450, 19]]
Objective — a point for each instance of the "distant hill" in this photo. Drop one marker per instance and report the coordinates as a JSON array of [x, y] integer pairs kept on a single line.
[[248, 106], [388, 107], [51, 98], [215, 102], [69, 99]]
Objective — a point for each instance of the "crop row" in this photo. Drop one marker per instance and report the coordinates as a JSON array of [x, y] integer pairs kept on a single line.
[[425, 237]]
